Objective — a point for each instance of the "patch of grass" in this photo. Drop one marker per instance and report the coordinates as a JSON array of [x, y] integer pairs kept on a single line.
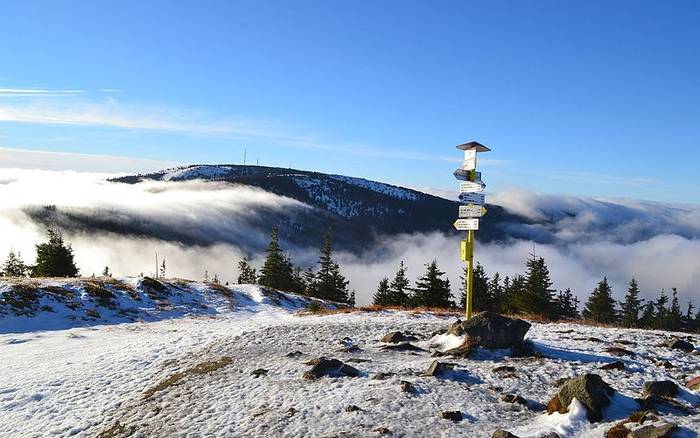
[[117, 430], [154, 288], [197, 370], [97, 290], [22, 298]]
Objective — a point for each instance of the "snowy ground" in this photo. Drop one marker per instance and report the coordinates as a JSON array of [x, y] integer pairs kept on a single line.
[[85, 380]]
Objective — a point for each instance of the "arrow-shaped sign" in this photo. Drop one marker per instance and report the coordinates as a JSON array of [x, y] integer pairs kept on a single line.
[[469, 186], [472, 198], [467, 224], [471, 210], [463, 175]]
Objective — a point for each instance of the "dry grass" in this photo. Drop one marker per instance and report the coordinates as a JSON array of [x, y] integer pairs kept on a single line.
[[316, 308], [199, 369]]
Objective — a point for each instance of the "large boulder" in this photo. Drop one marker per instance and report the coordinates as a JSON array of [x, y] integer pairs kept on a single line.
[[491, 330], [329, 368], [589, 389], [437, 369], [500, 433], [664, 430]]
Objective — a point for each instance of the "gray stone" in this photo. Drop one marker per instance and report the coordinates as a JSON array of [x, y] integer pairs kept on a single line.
[[329, 368], [451, 415], [259, 372], [503, 434], [661, 388], [383, 430], [679, 344], [403, 346], [514, 398], [490, 330], [437, 369], [407, 387], [396, 337], [551, 435], [456, 329], [663, 431], [352, 408], [590, 390], [617, 365]]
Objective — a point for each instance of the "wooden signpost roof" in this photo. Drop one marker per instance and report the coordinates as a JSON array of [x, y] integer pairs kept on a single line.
[[473, 145]]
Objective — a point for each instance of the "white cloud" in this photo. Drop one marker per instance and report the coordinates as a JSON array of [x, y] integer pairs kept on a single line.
[[51, 160]]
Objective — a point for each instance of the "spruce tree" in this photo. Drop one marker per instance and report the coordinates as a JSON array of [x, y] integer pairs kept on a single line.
[[629, 309], [660, 311], [601, 306], [298, 284], [537, 295], [276, 272], [648, 318], [567, 305], [481, 297], [246, 273], [328, 282], [496, 293], [382, 297], [688, 320], [398, 289], [105, 272], [675, 316], [54, 258], [512, 290], [14, 266], [431, 289]]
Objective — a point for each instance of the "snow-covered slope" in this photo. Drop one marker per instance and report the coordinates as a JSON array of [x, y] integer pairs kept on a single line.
[[196, 376], [49, 304]]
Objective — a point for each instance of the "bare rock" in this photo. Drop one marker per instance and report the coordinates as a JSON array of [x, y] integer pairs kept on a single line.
[[618, 431], [589, 389], [503, 369], [493, 331], [438, 369], [382, 376], [617, 365], [661, 388], [259, 372], [324, 367], [352, 408], [383, 430], [396, 337], [680, 344], [407, 386], [514, 398], [451, 415], [456, 329], [665, 430], [619, 351], [404, 346], [503, 434]]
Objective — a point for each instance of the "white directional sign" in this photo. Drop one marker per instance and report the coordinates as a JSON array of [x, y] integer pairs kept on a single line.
[[467, 224], [471, 210], [469, 186], [472, 198]]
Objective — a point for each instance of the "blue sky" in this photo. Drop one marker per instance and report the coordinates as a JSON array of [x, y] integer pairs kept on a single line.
[[590, 97]]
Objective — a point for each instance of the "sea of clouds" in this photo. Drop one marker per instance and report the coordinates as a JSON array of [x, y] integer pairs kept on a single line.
[[582, 239]]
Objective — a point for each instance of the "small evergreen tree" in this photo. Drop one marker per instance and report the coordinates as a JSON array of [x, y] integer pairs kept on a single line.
[[163, 269], [601, 306], [629, 309], [431, 289], [277, 269], [675, 316], [382, 297], [105, 272], [351, 300], [215, 280], [246, 273], [567, 305], [14, 266], [512, 289], [648, 318], [298, 284], [688, 320], [537, 295], [398, 289], [54, 258], [496, 292], [328, 283], [660, 311], [481, 297]]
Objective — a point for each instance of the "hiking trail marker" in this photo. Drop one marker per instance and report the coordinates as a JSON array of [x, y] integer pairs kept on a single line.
[[470, 194]]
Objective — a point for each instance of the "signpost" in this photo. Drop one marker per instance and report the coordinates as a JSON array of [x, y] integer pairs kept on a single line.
[[472, 198], [471, 210], [470, 194]]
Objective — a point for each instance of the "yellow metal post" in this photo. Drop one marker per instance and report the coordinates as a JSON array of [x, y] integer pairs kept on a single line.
[[470, 272]]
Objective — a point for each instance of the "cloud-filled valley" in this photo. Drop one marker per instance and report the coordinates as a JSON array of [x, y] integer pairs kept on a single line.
[[209, 225]]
